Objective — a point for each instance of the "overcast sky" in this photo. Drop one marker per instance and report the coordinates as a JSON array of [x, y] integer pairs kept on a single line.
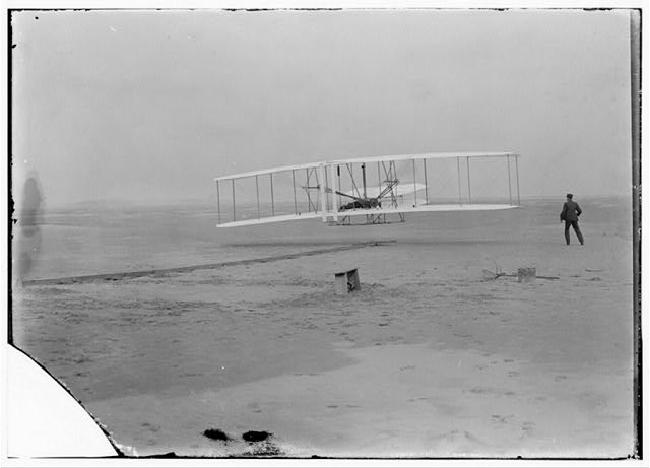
[[149, 105]]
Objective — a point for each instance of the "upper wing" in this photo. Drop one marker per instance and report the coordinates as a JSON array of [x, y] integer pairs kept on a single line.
[[418, 156], [275, 170], [368, 159]]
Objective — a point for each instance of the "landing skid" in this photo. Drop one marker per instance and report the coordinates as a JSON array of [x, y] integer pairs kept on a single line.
[[370, 219]]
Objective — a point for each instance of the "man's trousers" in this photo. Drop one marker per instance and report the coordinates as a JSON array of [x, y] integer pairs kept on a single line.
[[576, 228]]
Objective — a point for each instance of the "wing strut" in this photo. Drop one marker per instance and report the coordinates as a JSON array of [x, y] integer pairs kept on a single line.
[[323, 195], [234, 205], [415, 197], [295, 196], [363, 170], [257, 192], [509, 181], [469, 189], [338, 176], [332, 199], [460, 201], [272, 202], [379, 176], [426, 182], [218, 204], [517, 169]]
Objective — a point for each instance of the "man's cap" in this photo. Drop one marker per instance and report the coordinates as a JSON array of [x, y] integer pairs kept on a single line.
[[569, 195]]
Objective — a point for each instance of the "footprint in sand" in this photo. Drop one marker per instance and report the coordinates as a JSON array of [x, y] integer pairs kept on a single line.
[[418, 399], [461, 335], [497, 418], [151, 427], [456, 436], [482, 391], [527, 428]]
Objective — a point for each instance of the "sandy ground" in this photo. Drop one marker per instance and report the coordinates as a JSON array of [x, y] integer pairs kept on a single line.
[[428, 359]]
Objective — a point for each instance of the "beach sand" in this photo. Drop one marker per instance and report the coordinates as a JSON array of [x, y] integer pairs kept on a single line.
[[428, 359]]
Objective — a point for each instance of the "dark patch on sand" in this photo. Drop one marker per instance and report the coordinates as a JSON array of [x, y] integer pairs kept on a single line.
[[256, 436], [216, 434]]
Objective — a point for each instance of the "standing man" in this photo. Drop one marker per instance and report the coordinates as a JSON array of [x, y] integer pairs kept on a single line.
[[569, 215]]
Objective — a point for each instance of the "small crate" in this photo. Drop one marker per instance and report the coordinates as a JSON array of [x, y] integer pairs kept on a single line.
[[347, 281]]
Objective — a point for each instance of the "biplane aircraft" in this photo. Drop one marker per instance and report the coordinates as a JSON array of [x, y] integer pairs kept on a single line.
[[376, 189]]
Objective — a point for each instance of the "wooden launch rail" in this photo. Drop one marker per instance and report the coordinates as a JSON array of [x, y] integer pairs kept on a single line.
[[208, 266]]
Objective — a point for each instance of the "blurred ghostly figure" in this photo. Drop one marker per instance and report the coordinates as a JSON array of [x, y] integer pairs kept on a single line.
[[27, 232]]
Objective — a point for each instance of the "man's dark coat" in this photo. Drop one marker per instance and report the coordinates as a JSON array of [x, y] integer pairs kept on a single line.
[[570, 211]]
